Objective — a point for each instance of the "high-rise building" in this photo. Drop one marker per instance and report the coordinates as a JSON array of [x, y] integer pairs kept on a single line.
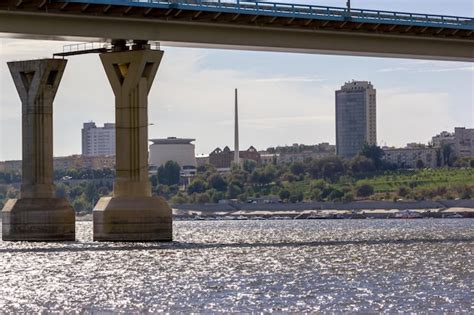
[[355, 117], [98, 140]]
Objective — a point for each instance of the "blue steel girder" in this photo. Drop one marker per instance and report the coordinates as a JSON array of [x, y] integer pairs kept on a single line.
[[289, 10]]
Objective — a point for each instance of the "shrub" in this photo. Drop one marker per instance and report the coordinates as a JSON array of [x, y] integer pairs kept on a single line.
[[284, 194], [403, 191], [348, 197], [202, 198], [335, 195], [365, 190]]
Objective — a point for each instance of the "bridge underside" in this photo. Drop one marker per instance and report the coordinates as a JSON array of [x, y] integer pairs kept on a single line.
[[193, 28]]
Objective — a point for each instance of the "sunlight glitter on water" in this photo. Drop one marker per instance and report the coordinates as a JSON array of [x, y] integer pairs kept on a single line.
[[270, 266]]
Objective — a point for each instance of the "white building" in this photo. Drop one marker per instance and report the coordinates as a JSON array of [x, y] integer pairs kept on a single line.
[[408, 157], [173, 149], [98, 140], [461, 141], [442, 139], [464, 142]]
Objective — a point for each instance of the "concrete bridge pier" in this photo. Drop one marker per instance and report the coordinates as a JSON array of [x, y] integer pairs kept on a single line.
[[132, 214], [37, 215]]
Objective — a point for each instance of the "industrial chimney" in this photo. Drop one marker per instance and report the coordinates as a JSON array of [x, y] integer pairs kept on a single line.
[[236, 132]]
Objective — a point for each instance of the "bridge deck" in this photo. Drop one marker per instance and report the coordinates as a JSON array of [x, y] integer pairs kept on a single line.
[[263, 14]]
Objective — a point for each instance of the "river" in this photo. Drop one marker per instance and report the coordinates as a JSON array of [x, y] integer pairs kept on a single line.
[[269, 266]]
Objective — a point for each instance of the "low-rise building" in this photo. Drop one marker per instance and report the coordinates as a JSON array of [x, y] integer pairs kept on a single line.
[[301, 152], [443, 138], [10, 166], [202, 159], [223, 159], [409, 157], [291, 157], [268, 158], [68, 162]]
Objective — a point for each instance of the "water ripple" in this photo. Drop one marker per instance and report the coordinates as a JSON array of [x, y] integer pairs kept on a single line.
[[267, 266]]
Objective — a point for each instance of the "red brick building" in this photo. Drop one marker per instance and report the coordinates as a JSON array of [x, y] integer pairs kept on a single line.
[[224, 158]]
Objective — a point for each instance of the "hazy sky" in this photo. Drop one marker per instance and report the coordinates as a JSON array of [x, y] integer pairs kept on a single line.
[[284, 97]]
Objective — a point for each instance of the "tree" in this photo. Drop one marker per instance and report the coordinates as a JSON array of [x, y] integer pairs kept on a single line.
[[265, 176], [284, 194], [91, 194], [154, 180], [289, 177], [447, 152], [332, 168], [178, 199], [362, 164], [296, 197], [202, 198], [216, 196], [439, 158], [103, 191], [365, 190], [335, 195], [61, 191], [233, 191], [348, 197], [373, 152], [297, 168], [197, 186], [217, 182], [420, 164], [249, 165], [168, 174], [81, 205]]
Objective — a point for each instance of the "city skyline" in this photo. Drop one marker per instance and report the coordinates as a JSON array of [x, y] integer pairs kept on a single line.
[[285, 97]]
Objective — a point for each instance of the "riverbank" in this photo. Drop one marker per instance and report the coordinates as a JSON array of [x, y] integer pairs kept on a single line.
[[323, 210], [329, 210]]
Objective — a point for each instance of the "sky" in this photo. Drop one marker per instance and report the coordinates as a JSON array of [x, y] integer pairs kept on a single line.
[[284, 98]]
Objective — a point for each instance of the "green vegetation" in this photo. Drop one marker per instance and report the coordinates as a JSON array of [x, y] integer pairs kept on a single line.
[[82, 188], [168, 174], [366, 176]]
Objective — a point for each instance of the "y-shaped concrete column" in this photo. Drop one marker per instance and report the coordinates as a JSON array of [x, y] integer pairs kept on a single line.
[[37, 215], [132, 214]]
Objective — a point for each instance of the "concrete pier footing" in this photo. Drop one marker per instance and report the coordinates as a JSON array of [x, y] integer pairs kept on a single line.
[[132, 219], [37, 215], [132, 214], [38, 219]]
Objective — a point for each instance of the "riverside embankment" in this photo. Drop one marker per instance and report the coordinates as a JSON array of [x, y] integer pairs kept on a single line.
[[357, 209]]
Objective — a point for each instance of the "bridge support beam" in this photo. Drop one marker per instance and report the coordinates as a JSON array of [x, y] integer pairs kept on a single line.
[[132, 214], [37, 215]]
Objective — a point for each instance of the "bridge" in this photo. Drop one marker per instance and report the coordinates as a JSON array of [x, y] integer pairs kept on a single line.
[[254, 25], [131, 63]]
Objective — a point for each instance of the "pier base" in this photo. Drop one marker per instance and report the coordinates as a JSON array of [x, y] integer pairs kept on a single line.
[[132, 219], [38, 219]]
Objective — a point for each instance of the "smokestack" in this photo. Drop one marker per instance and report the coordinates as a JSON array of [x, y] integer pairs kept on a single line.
[[236, 132]]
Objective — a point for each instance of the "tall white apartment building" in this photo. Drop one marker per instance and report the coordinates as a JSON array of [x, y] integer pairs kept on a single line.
[[98, 140]]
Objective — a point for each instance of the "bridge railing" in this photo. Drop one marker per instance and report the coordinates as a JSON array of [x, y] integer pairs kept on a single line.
[[281, 9]]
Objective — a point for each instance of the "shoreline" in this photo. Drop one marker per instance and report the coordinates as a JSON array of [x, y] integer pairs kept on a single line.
[[323, 214]]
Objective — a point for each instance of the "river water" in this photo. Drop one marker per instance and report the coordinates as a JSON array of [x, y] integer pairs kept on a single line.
[[269, 266]]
